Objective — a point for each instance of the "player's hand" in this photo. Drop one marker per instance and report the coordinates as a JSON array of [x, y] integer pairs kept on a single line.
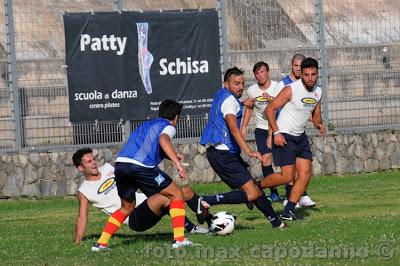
[[243, 132], [249, 102], [321, 128], [254, 154], [181, 171], [266, 95], [279, 140], [269, 142], [180, 156]]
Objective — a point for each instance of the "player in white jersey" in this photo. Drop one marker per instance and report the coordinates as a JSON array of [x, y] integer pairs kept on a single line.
[[99, 189], [295, 73], [262, 93], [291, 148]]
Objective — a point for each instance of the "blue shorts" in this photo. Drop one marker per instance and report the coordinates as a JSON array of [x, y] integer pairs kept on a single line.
[[130, 177], [296, 147], [230, 167], [261, 136]]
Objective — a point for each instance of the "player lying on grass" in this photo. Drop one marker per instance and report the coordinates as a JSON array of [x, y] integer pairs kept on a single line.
[[99, 189]]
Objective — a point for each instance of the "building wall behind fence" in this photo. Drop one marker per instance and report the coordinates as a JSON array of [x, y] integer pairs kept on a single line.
[[362, 48], [53, 173], [362, 55]]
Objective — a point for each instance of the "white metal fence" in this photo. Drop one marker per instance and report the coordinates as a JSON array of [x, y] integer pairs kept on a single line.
[[357, 43]]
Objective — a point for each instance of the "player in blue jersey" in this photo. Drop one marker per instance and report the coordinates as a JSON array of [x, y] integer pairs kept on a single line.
[[225, 142], [305, 200], [136, 167]]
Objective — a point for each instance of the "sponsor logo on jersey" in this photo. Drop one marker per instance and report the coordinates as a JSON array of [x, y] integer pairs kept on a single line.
[[309, 100], [108, 185], [264, 99]]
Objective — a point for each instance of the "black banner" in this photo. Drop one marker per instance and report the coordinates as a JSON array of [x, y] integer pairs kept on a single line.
[[122, 65]]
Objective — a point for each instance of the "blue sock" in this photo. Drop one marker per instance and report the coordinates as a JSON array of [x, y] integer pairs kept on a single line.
[[231, 197], [188, 225], [192, 203], [267, 170], [263, 204], [274, 190], [290, 206], [288, 189]]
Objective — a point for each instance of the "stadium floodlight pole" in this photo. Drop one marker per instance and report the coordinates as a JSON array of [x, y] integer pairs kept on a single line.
[[323, 75], [118, 5], [13, 72], [223, 35]]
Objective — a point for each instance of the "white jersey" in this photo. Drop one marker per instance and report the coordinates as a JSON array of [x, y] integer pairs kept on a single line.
[[254, 91], [229, 106], [296, 112], [103, 193]]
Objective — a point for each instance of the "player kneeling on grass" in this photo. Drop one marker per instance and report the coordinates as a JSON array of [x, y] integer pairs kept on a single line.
[[99, 189]]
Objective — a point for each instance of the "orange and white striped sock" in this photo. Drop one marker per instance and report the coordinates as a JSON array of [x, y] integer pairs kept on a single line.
[[112, 225], [177, 213]]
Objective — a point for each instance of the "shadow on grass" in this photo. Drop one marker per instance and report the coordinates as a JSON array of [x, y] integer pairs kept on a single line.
[[241, 227], [97, 236], [148, 238], [302, 213], [252, 218], [134, 238]]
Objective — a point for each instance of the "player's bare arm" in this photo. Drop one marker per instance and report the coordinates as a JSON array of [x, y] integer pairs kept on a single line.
[[317, 119], [166, 145], [82, 218], [279, 101], [249, 102], [248, 112], [233, 128]]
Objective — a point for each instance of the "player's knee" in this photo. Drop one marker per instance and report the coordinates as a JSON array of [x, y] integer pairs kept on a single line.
[[287, 177], [187, 192], [162, 200], [127, 208], [266, 159], [253, 194], [306, 176], [175, 195]]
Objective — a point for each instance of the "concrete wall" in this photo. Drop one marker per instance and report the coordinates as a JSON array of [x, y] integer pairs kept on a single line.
[[53, 173]]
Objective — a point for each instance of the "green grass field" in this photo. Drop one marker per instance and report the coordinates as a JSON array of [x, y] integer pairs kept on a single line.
[[356, 221]]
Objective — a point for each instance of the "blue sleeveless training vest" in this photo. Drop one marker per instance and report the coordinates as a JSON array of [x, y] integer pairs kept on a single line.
[[216, 131], [143, 144]]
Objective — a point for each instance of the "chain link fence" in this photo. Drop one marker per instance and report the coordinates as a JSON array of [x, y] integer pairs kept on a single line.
[[357, 43]]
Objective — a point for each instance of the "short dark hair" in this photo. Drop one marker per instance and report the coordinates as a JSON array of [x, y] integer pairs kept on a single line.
[[299, 57], [233, 71], [77, 157], [309, 62], [258, 65], [169, 109]]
